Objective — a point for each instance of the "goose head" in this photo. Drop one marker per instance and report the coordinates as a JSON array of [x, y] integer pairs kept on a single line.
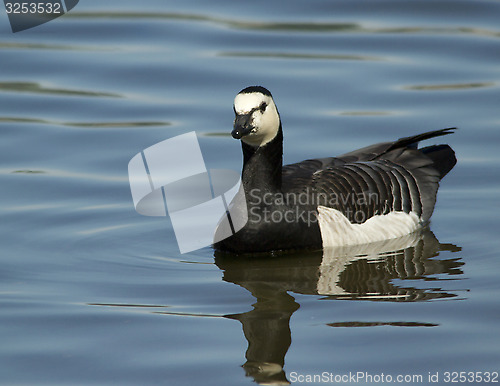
[[257, 119]]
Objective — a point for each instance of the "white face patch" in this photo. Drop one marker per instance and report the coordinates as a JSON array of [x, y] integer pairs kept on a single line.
[[244, 103], [265, 123]]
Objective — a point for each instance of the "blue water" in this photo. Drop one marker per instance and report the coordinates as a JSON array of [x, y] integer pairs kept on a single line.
[[93, 293]]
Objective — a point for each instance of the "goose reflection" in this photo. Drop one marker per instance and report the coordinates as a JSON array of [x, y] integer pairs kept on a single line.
[[364, 272]]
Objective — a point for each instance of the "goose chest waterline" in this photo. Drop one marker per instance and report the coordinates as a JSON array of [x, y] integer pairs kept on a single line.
[[379, 192]]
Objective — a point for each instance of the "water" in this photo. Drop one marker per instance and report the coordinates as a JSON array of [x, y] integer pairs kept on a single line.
[[93, 293]]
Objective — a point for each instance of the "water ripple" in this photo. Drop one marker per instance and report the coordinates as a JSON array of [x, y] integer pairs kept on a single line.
[[450, 86], [37, 88], [296, 55], [287, 26], [89, 125], [67, 174], [52, 47]]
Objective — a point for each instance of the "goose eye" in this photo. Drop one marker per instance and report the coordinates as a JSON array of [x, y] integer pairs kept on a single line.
[[263, 106]]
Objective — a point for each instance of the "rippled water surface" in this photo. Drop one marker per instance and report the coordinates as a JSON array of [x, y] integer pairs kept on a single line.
[[93, 293]]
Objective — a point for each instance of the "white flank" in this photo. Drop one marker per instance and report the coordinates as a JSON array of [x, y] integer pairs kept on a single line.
[[337, 230]]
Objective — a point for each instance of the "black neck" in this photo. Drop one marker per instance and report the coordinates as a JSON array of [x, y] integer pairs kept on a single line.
[[262, 165]]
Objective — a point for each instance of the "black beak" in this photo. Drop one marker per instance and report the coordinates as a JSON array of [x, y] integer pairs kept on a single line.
[[242, 126]]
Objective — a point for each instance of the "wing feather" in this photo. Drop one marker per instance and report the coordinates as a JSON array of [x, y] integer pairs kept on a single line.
[[399, 175]]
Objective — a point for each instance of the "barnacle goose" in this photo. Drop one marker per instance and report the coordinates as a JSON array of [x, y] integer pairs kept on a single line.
[[379, 192]]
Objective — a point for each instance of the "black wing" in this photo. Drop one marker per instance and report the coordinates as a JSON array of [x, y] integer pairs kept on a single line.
[[378, 179]]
